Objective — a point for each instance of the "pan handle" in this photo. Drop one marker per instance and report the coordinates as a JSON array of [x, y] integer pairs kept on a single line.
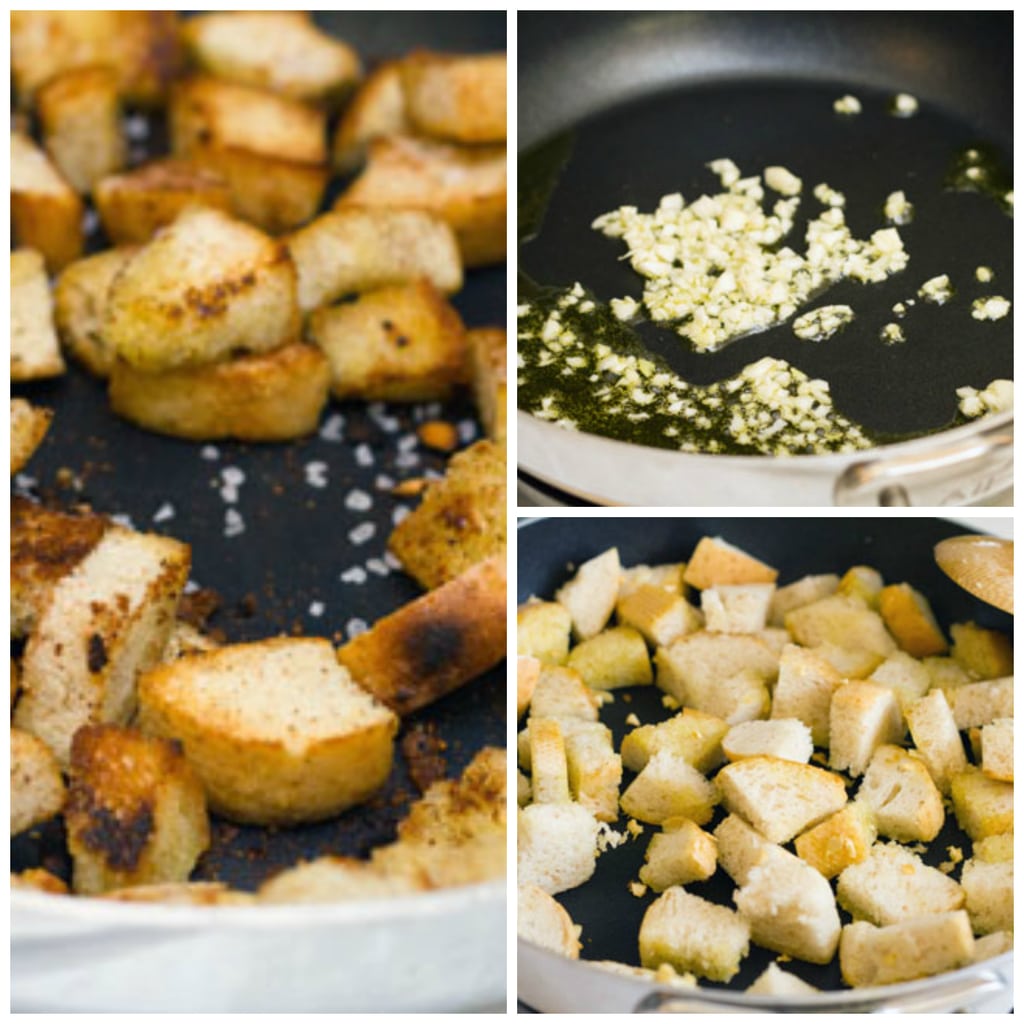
[[961, 472]]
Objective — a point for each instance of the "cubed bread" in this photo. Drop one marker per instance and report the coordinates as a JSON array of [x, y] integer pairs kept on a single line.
[[987, 946], [377, 109], [905, 676], [863, 582], [207, 287], [590, 595], [988, 891], [804, 690], [134, 204], [680, 854], [977, 704], [893, 884], [910, 619], [29, 424], [842, 620], [774, 981], [557, 846], [742, 697], [37, 788], [35, 351], [668, 576], [983, 806], [906, 802], [524, 791], [561, 693], [402, 343], [135, 812], [663, 975], [595, 769], [863, 716], [282, 51], [182, 894], [542, 920], [660, 615], [105, 622], [946, 673], [459, 522], [779, 798], [997, 749], [736, 608], [271, 150], [549, 769], [849, 662], [277, 730], [993, 849], [456, 97], [741, 848], [842, 839], [805, 590], [462, 185], [435, 644], [39, 880], [486, 348], [542, 630], [715, 562], [693, 735], [187, 639], [695, 664], [527, 674], [870, 956], [785, 738], [691, 934], [80, 115], [986, 653], [613, 658], [936, 738], [332, 879], [669, 787], [46, 213]]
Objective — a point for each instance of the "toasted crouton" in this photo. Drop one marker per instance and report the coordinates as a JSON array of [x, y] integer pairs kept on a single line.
[[542, 920], [271, 150], [402, 343], [268, 396], [842, 839], [29, 424], [353, 250], [105, 622], [660, 615], [461, 98], [35, 351], [463, 186], [561, 693], [910, 619], [487, 375], [591, 594], [135, 204], [277, 730], [741, 848], [80, 114], [206, 287], [377, 109], [615, 657], [736, 608], [460, 521], [527, 674], [986, 653], [282, 51], [935, 735], [863, 716], [773, 981], [804, 690], [40, 880], [997, 749], [715, 562], [135, 811], [805, 590], [863, 582], [436, 643], [682, 853], [37, 789], [842, 620], [977, 704], [906, 803], [905, 676], [182, 894], [849, 662], [983, 806], [693, 735], [669, 787], [692, 668], [668, 577], [542, 630], [334, 879], [988, 891], [786, 738], [549, 770], [595, 769]]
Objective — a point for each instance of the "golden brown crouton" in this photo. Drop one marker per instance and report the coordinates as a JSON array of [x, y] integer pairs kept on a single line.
[[542, 920], [135, 812], [180, 894], [436, 643], [35, 351], [378, 108], [983, 806], [37, 789], [842, 839], [488, 374], [460, 521], [402, 343], [615, 657], [549, 768], [41, 880], [29, 424], [333, 879], [909, 618], [269, 396], [542, 630], [986, 653], [461, 98], [715, 562], [527, 674]]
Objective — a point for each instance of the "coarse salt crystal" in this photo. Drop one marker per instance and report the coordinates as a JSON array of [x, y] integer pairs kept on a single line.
[[210, 452], [358, 501], [384, 482], [378, 566], [399, 513], [357, 574], [362, 533], [363, 455], [163, 513], [354, 627], [333, 428], [316, 474], [233, 523], [316, 609]]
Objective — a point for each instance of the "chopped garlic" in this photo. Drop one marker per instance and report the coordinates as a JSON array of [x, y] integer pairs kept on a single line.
[[997, 397], [847, 105], [936, 289], [984, 274], [892, 334], [900, 309], [828, 196], [822, 323], [991, 307], [782, 181], [625, 309], [897, 210], [904, 105]]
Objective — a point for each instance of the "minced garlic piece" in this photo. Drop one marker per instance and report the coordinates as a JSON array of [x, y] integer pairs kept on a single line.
[[631, 719], [991, 307], [936, 289], [634, 828], [625, 309], [956, 854], [822, 323], [984, 274], [897, 210], [891, 334], [668, 701], [900, 309], [828, 196], [904, 105], [782, 181], [997, 397], [847, 105]]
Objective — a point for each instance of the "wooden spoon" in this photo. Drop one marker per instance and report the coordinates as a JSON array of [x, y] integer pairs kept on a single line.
[[983, 566]]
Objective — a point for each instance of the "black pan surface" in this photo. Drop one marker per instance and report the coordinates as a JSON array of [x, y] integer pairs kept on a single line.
[[284, 573], [549, 550], [641, 103]]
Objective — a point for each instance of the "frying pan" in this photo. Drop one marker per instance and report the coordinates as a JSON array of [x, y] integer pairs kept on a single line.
[[901, 548], [624, 108], [311, 559]]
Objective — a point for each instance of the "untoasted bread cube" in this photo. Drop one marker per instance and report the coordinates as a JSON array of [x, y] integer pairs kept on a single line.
[[785, 738], [946, 673], [464, 186], [282, 51], [561, 693], [277, 730], [863, 717], [105, 622], [905, 676], [694, 935], [29, 424], [774, 981], [542, 920], [863, 582], [135, 811], [849, 662], [435, 644], [900, 791], [988, 889], [741, 848], [987, 946], [80, 297], [557, 846], [841, 620], [542, 630], [779, 798], [46, 214], [737, 608], [378, 108], [668, 577], [402, 343], [805, 590], [461, 98], [743, 697], [595, 769], [37, 789], [981, 703], [840, 840], [791, 909], [909, 618], [135, 204], [527, 674], [804, 690], [613, 658], [893, 884], [591, 594], [871, 956], [694, 736], [716, 563], [549, 770], [205, 288], [936, 738], [681, 854], [669, 787], [460, 521], [696, 664], [488, 370], [997, 749], [80, 114], [983, 806], [35, 351], [661, 615], [986, 653]]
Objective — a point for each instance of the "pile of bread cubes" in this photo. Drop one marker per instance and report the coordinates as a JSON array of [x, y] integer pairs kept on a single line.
[[216, 313], [826, 727]]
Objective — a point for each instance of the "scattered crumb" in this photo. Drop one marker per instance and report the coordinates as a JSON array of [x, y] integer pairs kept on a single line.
[[991, 307], [847, 104], [984, 274], [634, 828], [668, 701], [638, 889], [956, 854], [892, 334], [631, 719], [363, 455], [608, 838]]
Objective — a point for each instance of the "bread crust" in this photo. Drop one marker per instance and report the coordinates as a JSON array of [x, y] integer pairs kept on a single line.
[[29, 424]]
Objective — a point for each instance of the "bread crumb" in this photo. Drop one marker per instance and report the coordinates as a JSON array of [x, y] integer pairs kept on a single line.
[[638, 889], [631, 719], [956, 854], [668, 701], [608, 838], [634, 828]]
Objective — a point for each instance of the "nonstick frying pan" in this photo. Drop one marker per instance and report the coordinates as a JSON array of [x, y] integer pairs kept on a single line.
[[548, 549], [622, 109]]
